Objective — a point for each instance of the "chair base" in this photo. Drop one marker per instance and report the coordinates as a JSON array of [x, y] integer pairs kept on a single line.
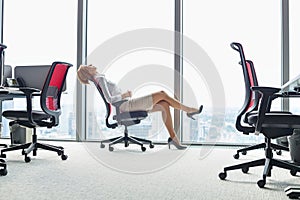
[[3, 171], [268, 162], [3, 145], [276, 147], [33, 147], [292, 192], [126, 140]]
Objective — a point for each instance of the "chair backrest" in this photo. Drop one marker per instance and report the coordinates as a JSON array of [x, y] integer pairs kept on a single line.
[[52, 89], [254, 96], [2, 55], [107, 105], [251, 100]]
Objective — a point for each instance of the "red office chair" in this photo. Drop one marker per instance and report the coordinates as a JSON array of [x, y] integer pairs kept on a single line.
[[251, 103], [271, 124], [47, 117], [124, 118]]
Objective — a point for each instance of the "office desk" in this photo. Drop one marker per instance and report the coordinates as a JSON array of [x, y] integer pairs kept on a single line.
[[291, 85]]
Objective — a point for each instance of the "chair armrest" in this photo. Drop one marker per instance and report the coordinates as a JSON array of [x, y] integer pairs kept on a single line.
[[265, 104], [28, 94], [266, 90], [117, 105], [268, 94], [28, 90]]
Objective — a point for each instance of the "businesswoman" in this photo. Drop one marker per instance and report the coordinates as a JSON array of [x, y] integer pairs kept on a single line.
[[158, 101]]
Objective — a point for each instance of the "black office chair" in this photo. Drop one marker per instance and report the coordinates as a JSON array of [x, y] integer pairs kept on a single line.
[[251, 103], [3, 171], [47, 117], [122, 118], [272, 125]]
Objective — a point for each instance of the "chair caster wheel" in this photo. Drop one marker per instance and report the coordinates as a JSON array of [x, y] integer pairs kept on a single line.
[[222, 175], [3, 172], [102, 145], [245, 170], [126, 144], [143, 149], [3, 156], [27, 159], [279, 152], [64, 157], [244, 152], [293, 172], [23, 152], [236, 156], [151, 146], [110, 148], [261, 183]]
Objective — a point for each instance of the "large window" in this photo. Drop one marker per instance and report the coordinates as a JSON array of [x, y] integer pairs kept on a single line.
[[108, 20], [39, 33], [294, 7], [214, 25]]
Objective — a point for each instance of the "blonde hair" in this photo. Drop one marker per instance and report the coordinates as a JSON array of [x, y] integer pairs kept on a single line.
[[84, 73]]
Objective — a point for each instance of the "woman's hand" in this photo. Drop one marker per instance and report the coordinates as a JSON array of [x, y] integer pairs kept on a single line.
[[127, 94]]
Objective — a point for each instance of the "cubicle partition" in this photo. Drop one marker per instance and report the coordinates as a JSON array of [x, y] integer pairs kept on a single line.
[[32, 75], [7, 73]]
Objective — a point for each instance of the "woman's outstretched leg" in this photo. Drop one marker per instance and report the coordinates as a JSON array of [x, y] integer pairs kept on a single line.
[[163, 96]]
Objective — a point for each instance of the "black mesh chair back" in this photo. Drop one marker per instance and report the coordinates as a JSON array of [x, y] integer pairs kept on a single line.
[[108, 106], [251, 99]]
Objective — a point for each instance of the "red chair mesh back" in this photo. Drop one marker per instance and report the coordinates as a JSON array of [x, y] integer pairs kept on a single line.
[[251, 81], [58, 76], [55, 86]]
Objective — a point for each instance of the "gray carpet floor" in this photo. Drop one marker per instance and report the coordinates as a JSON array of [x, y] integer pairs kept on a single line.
[[91, 173]]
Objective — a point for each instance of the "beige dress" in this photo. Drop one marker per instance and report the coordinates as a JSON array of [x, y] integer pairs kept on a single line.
[[113, 94], [141, 103]]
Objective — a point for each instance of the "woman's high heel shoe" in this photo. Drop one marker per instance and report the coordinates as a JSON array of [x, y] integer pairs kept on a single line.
[[178, 146], [190, 115]]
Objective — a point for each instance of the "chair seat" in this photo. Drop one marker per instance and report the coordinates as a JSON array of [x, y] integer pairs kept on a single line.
[[277, 124], [272, 112], [135, 115], [21, 115], [277, 120]]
